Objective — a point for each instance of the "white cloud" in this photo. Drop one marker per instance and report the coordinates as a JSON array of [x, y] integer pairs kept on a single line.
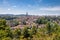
[[9, 9], [51, 9]]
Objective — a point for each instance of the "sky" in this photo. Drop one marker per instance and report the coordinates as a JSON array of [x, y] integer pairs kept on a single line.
[[33, 7]]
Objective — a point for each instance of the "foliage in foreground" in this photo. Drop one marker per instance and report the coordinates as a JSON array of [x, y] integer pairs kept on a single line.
[[50, 32]]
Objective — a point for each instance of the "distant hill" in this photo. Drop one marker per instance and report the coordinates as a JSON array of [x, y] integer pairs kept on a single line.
[[6, 14], [11, 16]]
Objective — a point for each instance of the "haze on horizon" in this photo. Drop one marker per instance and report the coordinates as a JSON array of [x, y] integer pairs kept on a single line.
[[33, 7]]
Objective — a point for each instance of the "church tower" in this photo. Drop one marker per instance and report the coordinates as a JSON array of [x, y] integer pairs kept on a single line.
[[26, 13]]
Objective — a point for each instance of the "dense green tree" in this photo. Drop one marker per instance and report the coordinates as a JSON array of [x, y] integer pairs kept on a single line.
[[26, 32], [49, 26], [41, 20], [52, 27], [4, 29], [16, 33], [34, 30]]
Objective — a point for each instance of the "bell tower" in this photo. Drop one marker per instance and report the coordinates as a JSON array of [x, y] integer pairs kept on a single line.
[[26, 13]]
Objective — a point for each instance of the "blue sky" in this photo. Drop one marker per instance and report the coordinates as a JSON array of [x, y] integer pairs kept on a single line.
[[34, 7]]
